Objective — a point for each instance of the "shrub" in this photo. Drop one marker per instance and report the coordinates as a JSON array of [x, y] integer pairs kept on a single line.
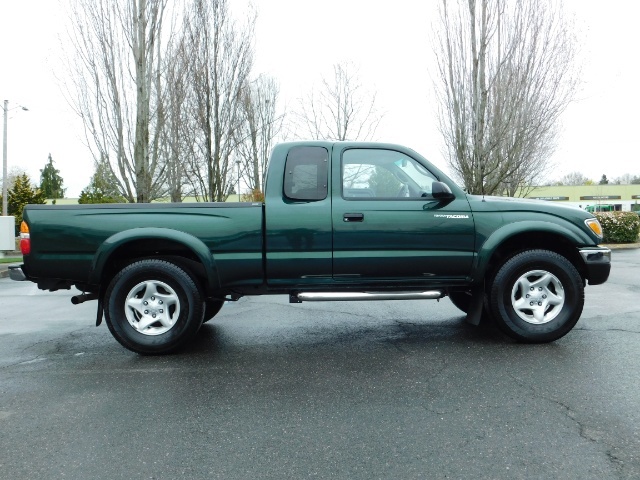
[[619, 227], [256, 195]]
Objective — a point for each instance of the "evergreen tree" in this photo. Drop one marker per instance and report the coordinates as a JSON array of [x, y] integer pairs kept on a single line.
[[103, 187], [21, 194], [51, 181], [604, 180]]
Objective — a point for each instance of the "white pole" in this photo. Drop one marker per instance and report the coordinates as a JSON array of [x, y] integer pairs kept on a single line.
[[4, 161]]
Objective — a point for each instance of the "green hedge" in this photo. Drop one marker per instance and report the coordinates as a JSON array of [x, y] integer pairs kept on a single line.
[[619, 227]]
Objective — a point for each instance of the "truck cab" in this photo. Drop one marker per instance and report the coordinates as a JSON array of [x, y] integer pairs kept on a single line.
[[363, 212]]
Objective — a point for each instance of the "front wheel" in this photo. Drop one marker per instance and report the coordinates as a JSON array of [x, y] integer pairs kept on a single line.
[[153, 307], [537, 296], [462, 300]]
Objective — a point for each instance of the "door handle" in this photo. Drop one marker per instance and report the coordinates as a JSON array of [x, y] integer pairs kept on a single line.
[[353, 217]]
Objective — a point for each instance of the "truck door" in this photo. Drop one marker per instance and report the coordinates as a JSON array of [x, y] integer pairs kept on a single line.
[[388, 226]]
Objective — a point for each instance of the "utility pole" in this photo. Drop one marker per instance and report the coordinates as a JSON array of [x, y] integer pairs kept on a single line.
[[5, 110], [4, 159]]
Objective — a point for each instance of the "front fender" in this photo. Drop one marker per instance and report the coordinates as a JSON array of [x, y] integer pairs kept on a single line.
[[566, 230], [111, 244]]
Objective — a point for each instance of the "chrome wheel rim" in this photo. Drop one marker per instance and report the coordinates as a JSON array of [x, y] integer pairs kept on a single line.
[[537, 297], [152, 307]]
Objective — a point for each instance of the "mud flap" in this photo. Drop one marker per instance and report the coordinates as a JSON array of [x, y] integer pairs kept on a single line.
[[100, 311], [474, 315]]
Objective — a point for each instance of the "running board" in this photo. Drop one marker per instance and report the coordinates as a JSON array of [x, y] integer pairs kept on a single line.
[[355, 296]]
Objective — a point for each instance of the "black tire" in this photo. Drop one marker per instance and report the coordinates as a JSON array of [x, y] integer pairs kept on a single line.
[[555, 296], [211, 309], [462, 300], [170, 317]]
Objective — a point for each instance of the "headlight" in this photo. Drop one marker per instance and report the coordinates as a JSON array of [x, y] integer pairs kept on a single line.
[[594, 226]]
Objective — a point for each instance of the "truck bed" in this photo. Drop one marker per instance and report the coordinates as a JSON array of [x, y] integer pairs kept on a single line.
[[69, 237]]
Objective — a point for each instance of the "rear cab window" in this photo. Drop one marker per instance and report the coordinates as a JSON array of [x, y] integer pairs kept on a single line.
[[306, 174]]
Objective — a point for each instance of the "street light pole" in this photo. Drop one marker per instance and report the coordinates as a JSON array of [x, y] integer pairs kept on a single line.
[[4, 159], [5, 110]]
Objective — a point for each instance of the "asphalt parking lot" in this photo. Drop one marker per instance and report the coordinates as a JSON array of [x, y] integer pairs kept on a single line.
[[390, 390]]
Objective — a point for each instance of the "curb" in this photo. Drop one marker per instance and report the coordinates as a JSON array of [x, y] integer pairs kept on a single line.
[[4, 267], [621, 246]]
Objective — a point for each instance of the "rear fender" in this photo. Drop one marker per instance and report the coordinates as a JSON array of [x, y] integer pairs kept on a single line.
[[194, 244]]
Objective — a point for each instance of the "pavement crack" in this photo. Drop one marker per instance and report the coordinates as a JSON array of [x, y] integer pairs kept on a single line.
[[402, 323], [22, 362], [72, 334], [623, 330], [584, 430], [56, 350]]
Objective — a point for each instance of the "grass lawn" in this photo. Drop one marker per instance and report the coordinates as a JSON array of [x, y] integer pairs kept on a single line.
[[10, 259]]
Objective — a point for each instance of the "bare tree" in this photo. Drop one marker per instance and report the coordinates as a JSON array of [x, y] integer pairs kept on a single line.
[[573, 178], [261, 124], [626, 179], [221, 53], [178, 137], [116, 52], [342, 109], [505, 74]]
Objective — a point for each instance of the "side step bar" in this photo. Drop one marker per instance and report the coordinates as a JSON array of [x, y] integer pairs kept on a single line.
[[356, 296]]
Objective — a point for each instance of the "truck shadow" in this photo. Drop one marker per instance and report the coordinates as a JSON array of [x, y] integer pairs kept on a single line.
[[219, 339]]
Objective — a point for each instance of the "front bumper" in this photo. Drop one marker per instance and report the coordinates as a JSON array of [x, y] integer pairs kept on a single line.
[[598, 263]]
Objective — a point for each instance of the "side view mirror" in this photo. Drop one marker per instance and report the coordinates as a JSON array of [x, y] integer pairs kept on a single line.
[[441, 191]]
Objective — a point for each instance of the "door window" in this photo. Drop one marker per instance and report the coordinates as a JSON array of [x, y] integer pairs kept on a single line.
[[383, 174]]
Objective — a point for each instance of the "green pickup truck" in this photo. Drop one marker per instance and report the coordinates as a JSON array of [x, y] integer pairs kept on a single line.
[[343, 221]]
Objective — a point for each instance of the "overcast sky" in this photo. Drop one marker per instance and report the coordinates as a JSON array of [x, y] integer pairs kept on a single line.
[[299, 41]]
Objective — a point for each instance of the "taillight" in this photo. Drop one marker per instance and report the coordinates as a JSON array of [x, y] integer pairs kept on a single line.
[[25, 239]]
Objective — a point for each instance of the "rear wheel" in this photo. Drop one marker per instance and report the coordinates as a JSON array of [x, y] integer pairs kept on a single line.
[[153, 306], [537, 296]]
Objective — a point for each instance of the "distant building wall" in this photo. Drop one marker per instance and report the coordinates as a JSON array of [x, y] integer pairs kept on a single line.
[[624, 197]]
